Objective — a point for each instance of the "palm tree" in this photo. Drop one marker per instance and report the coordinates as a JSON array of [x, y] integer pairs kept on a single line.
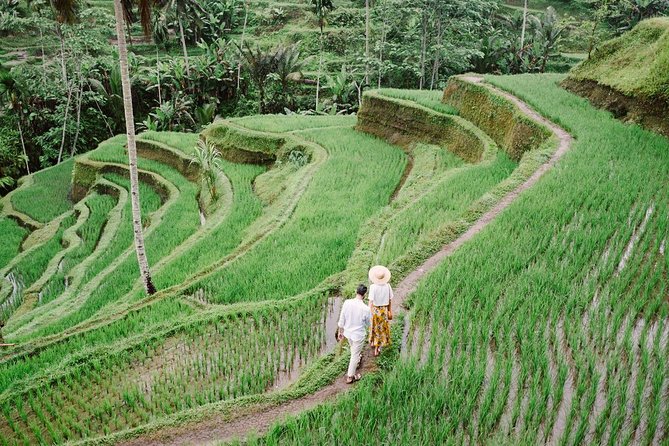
[[241, 42], [522, 32], [321, 8], [10, 94], [550, 30], [130, 132], [260, 65], [366, 41], [289, 65], [67, 13], [209, 158], [183, 8]]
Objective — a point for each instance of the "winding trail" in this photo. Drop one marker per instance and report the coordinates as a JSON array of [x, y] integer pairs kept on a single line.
[[216, 430]]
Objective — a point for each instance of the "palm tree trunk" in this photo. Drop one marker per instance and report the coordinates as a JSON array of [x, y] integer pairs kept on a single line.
[[41, 40], [522, 32], [80, 97], [423, 48], [437, 56], [183, 45], [63, 65], [132, 152], [381, 46], [366, 41], [320, 68], [67, 111], [23, 143], [160, 94], [59, 31], [241, 44]]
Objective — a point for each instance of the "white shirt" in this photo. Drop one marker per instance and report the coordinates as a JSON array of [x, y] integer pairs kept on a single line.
[[355, 317], [380, 295]]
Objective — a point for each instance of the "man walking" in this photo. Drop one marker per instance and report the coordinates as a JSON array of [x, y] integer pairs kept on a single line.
[[353, 322]]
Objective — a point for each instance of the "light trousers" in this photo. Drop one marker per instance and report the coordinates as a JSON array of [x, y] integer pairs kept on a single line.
[[356, 353]]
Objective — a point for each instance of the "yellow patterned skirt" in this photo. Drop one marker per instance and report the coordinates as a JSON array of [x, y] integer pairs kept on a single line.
[[379, 335]]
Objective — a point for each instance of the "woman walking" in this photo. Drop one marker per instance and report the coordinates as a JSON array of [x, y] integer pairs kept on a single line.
[[380, 301]]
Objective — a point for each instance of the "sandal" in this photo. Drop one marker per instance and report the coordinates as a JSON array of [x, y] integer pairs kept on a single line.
[[354, 378]]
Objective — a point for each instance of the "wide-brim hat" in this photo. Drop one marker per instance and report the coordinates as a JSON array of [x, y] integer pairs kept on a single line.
[[379, 274]]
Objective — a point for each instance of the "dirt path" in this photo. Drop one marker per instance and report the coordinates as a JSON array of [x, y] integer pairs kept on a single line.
[[258, 422]]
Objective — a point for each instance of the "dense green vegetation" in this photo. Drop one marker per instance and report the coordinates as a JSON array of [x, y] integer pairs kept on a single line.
[[93, 303], [89, 232], [426, 98], [60, 84]]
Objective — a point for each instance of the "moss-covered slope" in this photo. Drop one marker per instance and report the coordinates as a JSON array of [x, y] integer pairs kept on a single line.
[[629, 75]]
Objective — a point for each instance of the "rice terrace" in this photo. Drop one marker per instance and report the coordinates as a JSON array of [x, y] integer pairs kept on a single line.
[[203, 202]]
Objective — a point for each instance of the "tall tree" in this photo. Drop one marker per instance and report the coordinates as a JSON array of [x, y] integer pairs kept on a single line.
[[424, 33], [321, 8], [67, 14], [10, 95], [366, 41], [130, 132], [184, 8], [522, 32], [260, 64], [241, 43]]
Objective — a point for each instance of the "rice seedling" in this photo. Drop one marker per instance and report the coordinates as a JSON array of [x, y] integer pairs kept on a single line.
[[289, 123], [321, 232], [426, 98], [201, 363], [227, 235], [446, 202], [30, 268], [89, 232], [47, 196], [182, 213], [185, 142], [12, 236]]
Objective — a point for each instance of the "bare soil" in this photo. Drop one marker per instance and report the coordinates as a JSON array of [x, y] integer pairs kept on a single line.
[[258, 422]]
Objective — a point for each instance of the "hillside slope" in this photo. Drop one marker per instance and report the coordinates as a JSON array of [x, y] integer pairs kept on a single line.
[[629, 75]]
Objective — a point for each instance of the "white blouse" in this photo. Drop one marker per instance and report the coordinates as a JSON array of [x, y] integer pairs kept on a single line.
[[380, 295]]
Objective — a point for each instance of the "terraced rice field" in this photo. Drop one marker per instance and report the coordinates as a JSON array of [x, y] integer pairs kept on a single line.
[[548, 326]]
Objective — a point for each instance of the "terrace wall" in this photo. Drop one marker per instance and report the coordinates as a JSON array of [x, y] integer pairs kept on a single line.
[[651, 113], [406, 123], [157, 151], [85, 172], [496, 116], [241, 145]]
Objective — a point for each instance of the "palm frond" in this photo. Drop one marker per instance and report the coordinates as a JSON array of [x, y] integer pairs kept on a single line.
[[65, 10]]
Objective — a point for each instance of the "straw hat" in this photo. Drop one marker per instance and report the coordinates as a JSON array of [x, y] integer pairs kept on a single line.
[[379, 274]]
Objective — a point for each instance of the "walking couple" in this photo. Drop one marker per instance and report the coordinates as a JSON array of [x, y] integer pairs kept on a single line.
[[356, 316]]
